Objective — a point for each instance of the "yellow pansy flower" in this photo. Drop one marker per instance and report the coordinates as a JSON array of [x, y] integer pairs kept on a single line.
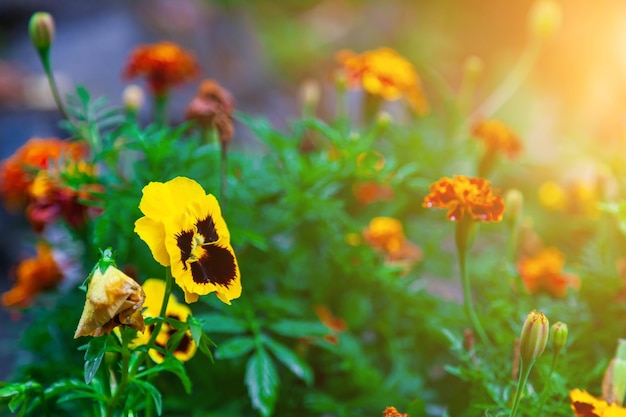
[[184, 228]]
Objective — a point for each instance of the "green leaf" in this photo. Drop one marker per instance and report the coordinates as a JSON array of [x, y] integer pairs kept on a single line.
[[234, 348], [262, 381], [417, 408], [65, 385], [291, 360], [204, 346], [172, 365], [154, 393], [296, 329], [196, 329], [222, 324], [93, 357]]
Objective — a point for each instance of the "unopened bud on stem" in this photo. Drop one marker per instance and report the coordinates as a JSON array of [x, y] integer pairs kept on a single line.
[[534, 336], [41, 31], [558, 335]]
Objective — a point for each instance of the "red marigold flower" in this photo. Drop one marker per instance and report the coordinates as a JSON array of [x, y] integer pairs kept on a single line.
[[33, 276], [385, 73], [498, 137], [463, 195], [164, 65], [544, 273], [18, 172]]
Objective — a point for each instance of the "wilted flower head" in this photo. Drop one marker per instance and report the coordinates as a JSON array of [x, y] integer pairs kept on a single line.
[[164, 65], [33, 276], [186, 348], [497, 137], [113, 298], [383, 72], [184, 228], [463, 196], [544, 273], [212, 108]]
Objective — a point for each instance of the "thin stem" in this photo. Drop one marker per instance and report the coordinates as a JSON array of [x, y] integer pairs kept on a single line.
[[45, 60], [223, 171], [123, 381], [160, 108], [462, 231], [546, 388], [521, 383]]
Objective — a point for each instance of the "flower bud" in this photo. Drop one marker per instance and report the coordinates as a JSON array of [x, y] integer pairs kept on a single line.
[[310, 94], [383, 120], [558, 335], [41, 30], [534, 336], [514, 203], [544, 19], [133, 98]]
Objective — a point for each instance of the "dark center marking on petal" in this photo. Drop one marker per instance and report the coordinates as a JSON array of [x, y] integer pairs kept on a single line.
[[184, 242], [207, 229], [216, 266]]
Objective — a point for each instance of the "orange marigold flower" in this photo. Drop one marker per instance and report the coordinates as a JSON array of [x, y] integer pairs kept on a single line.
[[498, 137], [372, 192], [463, 195], [164, 65], [386, 235], [18, 172], [544, 273], [392, 412], [586, 405], [33, 276], [384, 73], [212, 108]]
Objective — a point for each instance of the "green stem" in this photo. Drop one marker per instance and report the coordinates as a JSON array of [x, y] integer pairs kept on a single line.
[[160, 109], [462, 232], [546, 388], [521, 383], [119, 390], [223, 171], [45, 60], [44, 404]]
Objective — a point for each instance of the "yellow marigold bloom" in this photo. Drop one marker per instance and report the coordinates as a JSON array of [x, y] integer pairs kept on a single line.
[[586, 405], [392, 412], [386, 235], [184, 228], [383, 72], [113, 298], [186, 349], [32, 276], [463, 195], [498, 137], [544, 273], [164, 65]]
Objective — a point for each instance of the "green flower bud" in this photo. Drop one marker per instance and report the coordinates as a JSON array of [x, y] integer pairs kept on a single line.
[[534, 336], [41, 31], [558, 334], [514, 203]]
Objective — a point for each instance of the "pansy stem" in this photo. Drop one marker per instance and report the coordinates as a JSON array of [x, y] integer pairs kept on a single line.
[[463, 227], [521, 383], [119, 389]]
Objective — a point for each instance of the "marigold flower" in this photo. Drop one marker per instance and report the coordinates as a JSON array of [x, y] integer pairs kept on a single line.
[[186, 348], [18, 172], [392, 412], [372, 192], [534, 337], [586, 405], [383, 72], [184, 229], [113, 298], [164, 65], [212, 108], [33, 276], [497, 137], [463, 195], [386, 235], [544, 273]]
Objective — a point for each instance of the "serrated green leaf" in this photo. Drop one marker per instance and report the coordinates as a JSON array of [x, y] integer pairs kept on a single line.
[[172, 365], [296, 329], [154, 393], [262, 382], [93, 356], [234, 348], [222, 324], [290, 359]]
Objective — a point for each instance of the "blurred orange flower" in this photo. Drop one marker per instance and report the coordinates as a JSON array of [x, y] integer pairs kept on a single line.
[[164, 65], [586, 405], [497, 137], [18, 172], [544, 273], [386, 235], [33, 276], [212, 108], [372, 192], [392, 412], [464, 195], [383, 72]]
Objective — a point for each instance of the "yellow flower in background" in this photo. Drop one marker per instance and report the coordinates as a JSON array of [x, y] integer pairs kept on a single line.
[[552, 196], [385, 234], [577, 197], [184, 228], [586, 405], [186, 349], [113, 298], [498, 137], [385, 73]]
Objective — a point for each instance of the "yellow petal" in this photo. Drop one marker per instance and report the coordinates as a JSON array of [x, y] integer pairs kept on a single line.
[[154, 289], [163, 200], [153, 233]]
